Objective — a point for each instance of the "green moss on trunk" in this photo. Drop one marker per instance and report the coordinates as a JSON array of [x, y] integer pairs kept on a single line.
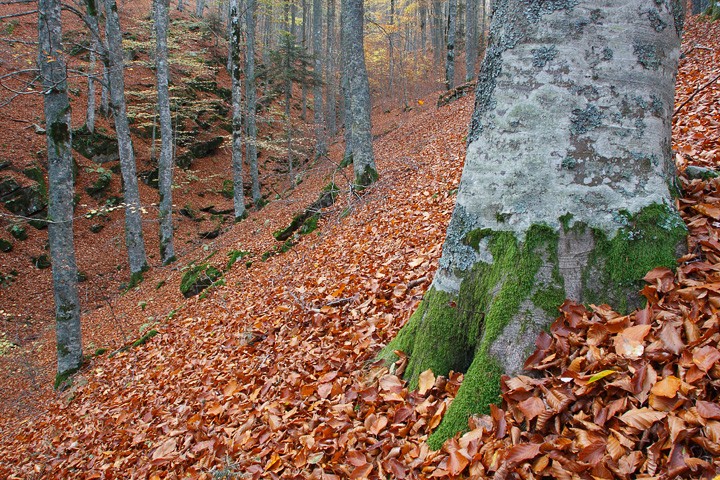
[[516, 295]]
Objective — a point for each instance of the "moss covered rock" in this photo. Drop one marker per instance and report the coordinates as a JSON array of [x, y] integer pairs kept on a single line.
[[197, 278]]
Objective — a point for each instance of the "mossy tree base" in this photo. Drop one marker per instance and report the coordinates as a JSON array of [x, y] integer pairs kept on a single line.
[[488, 327]]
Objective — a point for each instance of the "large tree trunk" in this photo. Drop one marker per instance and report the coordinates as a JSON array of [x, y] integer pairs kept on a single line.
[[165, 164], [566, 190], [471, 39], [251, 102], [363, 157], [60, 209], [450, 59], [319, 117], [238, 195], [115, 67]]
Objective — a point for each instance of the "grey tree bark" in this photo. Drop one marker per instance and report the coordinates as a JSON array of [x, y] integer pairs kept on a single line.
[[318, 116], [60, 209], [237, 164], [165, 163], [699, 6], [437, 31], [566, 189], [471, 39], [251, 102], [92, 20], [199, 8], [330, 84], [347, 102], [115, 67], [450, 59], [362, 153], [391, 47], [304, 31]]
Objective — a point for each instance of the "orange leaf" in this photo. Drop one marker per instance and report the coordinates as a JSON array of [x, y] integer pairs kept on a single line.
[[523, 452], [667, 387], [425, 381]]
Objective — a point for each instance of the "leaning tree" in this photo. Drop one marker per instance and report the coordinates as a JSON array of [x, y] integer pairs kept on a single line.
[[567, 189]]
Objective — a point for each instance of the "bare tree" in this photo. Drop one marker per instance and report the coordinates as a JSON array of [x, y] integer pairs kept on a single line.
[[238, 195], [165, 163], [359, 88], [115, 67], [60, 209]]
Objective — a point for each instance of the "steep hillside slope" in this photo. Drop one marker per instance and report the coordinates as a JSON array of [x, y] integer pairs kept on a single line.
[[267, 376]]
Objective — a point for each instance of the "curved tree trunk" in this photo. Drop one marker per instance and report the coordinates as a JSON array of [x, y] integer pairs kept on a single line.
[[238, 195], [165, 164], [362, 155], [115, 67], [60, 208], [251, 102], [565, 191]]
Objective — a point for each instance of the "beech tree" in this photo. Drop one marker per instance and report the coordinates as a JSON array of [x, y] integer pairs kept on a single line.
[[450, 58], [131, 194], [60, 206], [319, 117], [235, 39], [566, 190], [251, 103], [359, 93], [165, 164], [471, 39]]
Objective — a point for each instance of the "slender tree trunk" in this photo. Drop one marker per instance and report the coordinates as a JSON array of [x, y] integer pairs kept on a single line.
[[391, 47], [306, 17], [251, 102], [92, 19], [363, 157], [565, 191], [60, 209], [345, 87], [165, 164], [437, 31], [180, 5], [105, 91], [450, 61], [237, 164], [267, 32], [320, 141], [199, 8], [422, 20], [331, 100], [115, 67], [471, 40]]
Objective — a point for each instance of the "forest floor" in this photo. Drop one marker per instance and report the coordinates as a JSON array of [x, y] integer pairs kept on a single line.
[[269, 375]]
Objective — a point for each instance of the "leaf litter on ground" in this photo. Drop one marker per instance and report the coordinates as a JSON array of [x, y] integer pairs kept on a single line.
[[269, 378]]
